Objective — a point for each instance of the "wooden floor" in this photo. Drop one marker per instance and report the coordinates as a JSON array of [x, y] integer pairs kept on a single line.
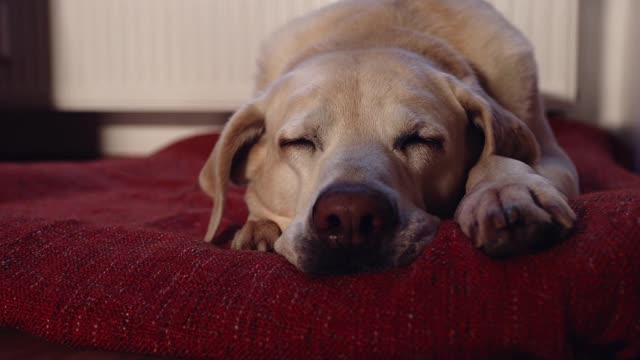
[[15, 345]]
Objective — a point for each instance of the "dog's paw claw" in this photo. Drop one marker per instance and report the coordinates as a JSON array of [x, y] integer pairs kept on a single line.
[[256, 235], [515, 218]]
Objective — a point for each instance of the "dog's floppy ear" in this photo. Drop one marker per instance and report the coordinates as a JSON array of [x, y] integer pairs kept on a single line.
[[228, 160], [504, 133]]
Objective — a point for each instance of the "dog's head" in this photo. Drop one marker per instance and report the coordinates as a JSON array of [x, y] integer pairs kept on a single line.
[[357, 155]]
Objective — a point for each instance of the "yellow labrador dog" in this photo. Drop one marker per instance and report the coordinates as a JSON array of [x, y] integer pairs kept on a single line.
[[373, 119]]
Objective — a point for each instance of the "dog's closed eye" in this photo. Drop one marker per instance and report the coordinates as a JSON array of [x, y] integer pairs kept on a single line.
[[298, 143], [414, 139]]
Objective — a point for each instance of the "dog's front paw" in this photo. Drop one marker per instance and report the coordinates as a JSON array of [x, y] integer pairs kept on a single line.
[[515, 217], [256, 235]]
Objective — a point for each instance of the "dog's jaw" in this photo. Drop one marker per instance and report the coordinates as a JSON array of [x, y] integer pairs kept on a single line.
[[285, 245], [412, 239]]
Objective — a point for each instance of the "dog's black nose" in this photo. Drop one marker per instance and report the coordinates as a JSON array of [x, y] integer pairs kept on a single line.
[[353, 217]]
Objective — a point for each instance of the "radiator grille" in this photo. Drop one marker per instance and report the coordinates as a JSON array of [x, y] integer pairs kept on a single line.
[[552, 28]]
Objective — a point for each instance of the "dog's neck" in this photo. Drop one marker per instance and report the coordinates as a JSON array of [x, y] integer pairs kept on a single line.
[[431, 48]]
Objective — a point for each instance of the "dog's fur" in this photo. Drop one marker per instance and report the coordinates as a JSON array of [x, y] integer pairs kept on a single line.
[[432, 103]]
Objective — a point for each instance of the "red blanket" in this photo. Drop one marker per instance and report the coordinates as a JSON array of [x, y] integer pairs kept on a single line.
[[107, 255]]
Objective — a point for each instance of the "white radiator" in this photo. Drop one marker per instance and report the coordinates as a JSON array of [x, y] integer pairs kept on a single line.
[[552, 28], [161, 54], [168, 55]]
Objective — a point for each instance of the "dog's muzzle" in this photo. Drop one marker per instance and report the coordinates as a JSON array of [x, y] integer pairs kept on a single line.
[[351, 222]]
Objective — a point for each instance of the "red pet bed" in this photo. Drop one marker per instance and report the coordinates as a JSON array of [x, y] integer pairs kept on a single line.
[[108, 255]]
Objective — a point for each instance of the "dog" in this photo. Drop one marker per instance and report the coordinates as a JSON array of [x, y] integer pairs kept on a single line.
[[374, 119]]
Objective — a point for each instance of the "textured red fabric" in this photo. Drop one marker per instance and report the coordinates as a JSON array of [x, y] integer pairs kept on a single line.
[[107, 255]]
